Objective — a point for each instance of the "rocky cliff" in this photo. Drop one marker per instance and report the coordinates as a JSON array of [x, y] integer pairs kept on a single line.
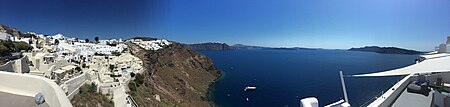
[[173, 76], [14, 32]]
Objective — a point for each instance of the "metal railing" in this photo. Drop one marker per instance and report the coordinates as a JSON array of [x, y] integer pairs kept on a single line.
[[134, 104], [372, 99]]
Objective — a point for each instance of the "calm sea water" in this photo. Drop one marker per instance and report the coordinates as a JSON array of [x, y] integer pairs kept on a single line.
[[283, 77]]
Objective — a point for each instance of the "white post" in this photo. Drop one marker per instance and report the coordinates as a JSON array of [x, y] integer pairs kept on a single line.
[[343, 86]]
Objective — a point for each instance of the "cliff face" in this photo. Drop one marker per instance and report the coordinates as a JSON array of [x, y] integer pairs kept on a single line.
[[11, 31], [209, 46], [14, 32], [174, 76]]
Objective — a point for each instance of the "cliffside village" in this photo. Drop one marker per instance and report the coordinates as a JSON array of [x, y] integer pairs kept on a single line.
[[70, 63]]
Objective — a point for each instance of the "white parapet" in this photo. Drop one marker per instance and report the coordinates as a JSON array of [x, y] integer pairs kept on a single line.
[[391, 94], [340, 103], [28, 86]]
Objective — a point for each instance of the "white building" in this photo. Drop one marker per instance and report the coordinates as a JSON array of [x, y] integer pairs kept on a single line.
[[5, 36], [87, 50], [152, 44], [51, 39], [444, 47], [102, 42], [110, 41]]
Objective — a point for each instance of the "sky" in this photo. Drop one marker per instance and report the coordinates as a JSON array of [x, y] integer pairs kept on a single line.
[[332, 24]]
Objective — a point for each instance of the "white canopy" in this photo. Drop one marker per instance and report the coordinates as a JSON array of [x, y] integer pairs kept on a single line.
[[431, 56], [437, 64]]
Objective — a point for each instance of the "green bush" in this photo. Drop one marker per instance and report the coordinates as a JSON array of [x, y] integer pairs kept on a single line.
[[88, 88], [85, 88], [139, 79], [7, 47], [22, 46], [93, 88], [115, 53], [132, 74], [132, 86], [78, 68], [3, 49], [111, 67]]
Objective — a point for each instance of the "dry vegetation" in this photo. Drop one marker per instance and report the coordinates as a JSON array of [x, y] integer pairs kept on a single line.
[[89, 97], [179, 76]]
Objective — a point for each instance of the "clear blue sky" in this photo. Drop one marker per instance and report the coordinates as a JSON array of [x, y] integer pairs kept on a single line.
[[336, 24]]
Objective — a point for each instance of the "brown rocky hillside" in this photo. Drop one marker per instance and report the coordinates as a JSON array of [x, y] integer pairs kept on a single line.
[[174, 76]]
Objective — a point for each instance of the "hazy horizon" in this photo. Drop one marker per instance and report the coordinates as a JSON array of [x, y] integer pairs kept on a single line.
[[411, 24]]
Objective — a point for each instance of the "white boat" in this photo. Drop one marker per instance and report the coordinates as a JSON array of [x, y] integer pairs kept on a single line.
[[249, 88]]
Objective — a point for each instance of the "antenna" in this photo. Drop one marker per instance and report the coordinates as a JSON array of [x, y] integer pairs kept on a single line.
[[343, 86]]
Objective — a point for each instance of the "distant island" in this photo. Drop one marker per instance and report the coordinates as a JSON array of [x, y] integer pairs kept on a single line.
[[224, 46], [385, 50], [293, 48]]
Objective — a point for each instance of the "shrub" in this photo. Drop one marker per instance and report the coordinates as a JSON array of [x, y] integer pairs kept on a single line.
[[22, 46], [132, 74], [139, 79], [115, 53], [96, 39], [93, 88], [88, 88], [85, 88], [78, 68], [3, 49], [56, 41], [111, 67], [132, 86], [7, 47]]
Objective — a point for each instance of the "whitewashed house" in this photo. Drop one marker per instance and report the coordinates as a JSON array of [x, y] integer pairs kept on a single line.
[[5, 36], [444, 47]]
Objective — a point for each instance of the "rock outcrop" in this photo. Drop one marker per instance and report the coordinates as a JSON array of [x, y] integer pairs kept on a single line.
[[15, 32], [11, 31]]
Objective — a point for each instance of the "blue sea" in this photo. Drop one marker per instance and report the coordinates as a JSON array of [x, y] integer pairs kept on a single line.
[[283, 77]]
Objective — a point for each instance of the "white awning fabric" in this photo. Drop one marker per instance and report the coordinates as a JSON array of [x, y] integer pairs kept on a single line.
[[431, 56], [437, 64]]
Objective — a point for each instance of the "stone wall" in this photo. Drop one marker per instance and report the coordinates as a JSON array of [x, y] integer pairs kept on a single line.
[[73, 85]]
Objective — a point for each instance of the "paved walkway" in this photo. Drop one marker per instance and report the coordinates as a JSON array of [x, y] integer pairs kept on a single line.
[[120, 97]]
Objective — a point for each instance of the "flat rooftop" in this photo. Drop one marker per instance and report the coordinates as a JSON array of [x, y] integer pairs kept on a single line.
[[407, 99]]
